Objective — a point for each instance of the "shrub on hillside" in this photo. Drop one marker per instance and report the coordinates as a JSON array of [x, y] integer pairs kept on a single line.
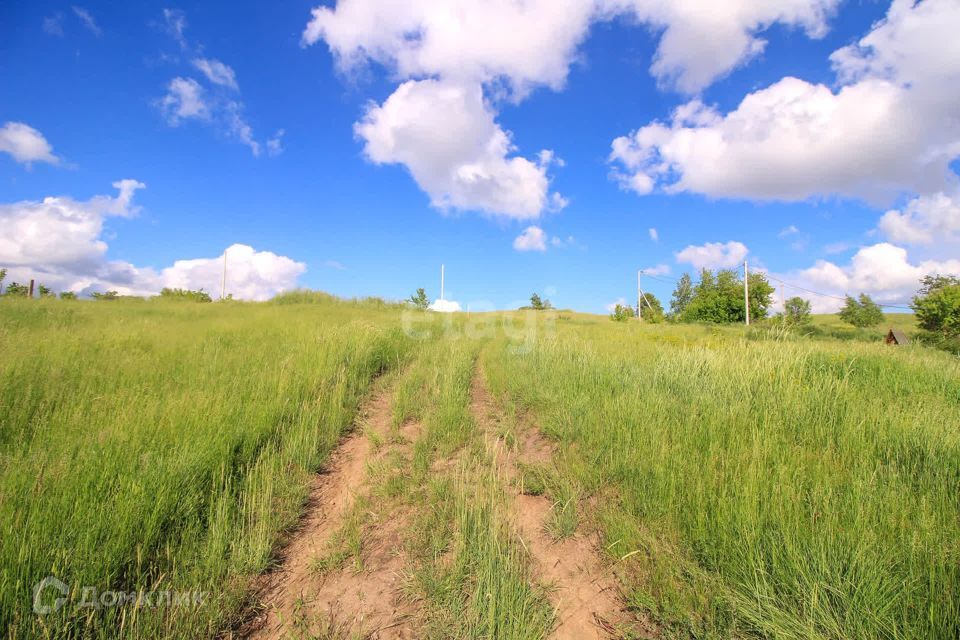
[[420, 300], [862, 312], [621, 313], [17, 289], [185, 294], [796, 310]]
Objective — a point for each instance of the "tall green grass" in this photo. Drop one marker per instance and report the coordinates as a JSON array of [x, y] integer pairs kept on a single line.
[[789, 489], [153, 446]]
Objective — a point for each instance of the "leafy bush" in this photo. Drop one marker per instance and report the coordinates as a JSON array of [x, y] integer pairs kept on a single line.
[[420, 300], [621, 313], [16, 289], [105, 295], [185, 294], [796, 310], [861, 313], [538, 304], [68, 295], [651, 310]]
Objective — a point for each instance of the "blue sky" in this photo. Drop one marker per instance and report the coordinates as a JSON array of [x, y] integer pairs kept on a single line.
[[841, 180]]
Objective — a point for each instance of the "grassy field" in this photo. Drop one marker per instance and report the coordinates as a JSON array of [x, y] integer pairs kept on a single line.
[[746, 483]]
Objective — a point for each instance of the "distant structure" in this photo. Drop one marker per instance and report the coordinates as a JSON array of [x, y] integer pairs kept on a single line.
[[895, 336]]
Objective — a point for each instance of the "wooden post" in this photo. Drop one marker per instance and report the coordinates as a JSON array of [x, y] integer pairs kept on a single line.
[[31, 287]]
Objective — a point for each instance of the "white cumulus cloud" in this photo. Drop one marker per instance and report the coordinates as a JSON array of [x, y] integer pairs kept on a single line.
[[251, 274], [447, 53], [445, 134], [59, 241], [445, 306], [924, 220], [26, 144], [532, 239], [883, 271], [184, 100], [713, 255], [890, 126]]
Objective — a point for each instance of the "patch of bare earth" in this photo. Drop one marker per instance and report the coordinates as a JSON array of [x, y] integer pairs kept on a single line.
[[584, 591], [297, 600]]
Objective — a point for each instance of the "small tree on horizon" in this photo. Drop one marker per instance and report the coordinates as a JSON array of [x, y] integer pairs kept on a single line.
[[621, 313], [937, 305], [861, 312], [420, 300], [105, 295], [682, 296], [46, 292], [796, 310], [539, 304], [17, 289], [68, 295]]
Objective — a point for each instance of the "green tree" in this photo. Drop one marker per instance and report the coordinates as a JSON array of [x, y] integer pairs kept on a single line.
[[3, 276], [937, 305], [796, 310], [419, 299], [539, 304], [105, 295], [650, 309], [68, 295], [861, 312], [184, 294], [761, 296], [682, 295], [46, 292], [621, 313], [929, 284], [719, 298], [16, 289]]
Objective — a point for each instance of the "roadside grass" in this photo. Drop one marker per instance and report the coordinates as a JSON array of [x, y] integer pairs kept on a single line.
[[796, 489]]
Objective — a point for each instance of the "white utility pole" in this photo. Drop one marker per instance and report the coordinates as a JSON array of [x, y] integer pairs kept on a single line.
[[639, 298], [746, 289], [223, 280], [441, 282]]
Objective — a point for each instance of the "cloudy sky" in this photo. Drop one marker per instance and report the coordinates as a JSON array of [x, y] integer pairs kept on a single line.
[[530, 145]]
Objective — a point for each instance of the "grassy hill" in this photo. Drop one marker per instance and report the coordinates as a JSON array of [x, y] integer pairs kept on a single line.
[[742, 482]]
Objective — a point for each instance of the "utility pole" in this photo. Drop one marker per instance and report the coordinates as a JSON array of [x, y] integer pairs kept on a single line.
[[223, 279], [441, 282], [31, 287], [639, 297], [746, 290]]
